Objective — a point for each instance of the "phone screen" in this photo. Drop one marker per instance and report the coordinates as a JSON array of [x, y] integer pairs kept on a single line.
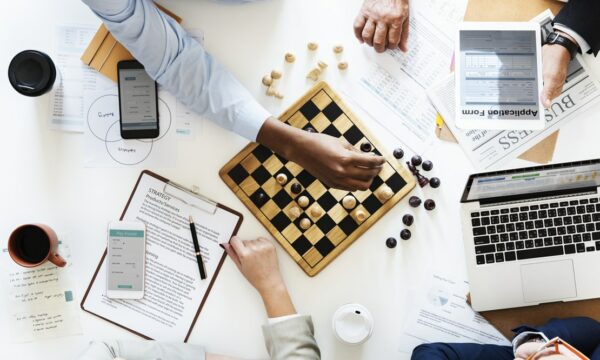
[[126, 260], [137, 93]]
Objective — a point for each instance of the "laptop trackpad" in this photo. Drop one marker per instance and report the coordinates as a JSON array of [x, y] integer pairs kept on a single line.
[[547, 281]]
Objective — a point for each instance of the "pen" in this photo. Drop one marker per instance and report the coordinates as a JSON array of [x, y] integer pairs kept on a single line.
[[197, 247]]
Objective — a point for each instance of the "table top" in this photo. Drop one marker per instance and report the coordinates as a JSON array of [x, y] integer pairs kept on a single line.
[[44, 180]]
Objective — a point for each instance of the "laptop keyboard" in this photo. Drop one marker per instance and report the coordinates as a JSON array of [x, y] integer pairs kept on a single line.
[[526, 232]]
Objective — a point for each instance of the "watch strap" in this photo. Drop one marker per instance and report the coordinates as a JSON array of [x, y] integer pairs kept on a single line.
[[555, 38]]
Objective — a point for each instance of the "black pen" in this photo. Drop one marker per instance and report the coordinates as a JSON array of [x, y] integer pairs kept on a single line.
[[197, 247]]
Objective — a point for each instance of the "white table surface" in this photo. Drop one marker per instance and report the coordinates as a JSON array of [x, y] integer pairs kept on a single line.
[[44, 180]]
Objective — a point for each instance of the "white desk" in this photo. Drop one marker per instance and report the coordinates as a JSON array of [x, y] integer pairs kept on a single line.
[[43, 179]]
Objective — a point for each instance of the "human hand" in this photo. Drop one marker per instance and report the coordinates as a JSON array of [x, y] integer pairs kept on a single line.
[[333, 161], [383, 24], [337, 163], [555, 59], [529, 348], [257, 261]]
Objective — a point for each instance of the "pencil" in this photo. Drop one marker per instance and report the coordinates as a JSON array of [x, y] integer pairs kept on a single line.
[[197, 248]]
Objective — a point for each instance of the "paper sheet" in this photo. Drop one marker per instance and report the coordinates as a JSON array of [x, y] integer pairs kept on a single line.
[[40, 301], [104, 146], [441, 314], [392, 89], [67, 95], [489, 149], [173, 290]]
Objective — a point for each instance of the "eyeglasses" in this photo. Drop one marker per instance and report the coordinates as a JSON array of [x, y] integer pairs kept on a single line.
[[558, 346]]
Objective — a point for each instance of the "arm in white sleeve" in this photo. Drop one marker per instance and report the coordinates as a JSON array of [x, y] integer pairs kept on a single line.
[[141, 350], [180, 64]]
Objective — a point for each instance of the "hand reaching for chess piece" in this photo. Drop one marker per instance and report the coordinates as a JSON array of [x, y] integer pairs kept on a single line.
[[333, 161]]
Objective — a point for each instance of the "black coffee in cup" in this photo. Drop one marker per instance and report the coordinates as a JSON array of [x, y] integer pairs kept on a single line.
[[32, 244], [32, 73]]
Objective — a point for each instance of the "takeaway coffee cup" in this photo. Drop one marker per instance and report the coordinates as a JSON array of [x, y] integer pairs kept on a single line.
[[33, 244], [353, 324], [32, 73]]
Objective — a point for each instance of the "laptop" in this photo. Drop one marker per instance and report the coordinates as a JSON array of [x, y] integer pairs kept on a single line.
[[532, 235]]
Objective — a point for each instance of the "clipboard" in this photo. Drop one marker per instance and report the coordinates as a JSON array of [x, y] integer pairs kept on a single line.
[[207, 205]]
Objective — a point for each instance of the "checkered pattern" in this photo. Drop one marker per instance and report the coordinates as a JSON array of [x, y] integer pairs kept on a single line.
[[255, 175]]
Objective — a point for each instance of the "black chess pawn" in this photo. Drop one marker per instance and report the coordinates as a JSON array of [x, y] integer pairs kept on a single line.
[[366, 147], [416, 160], [429, 204], [408, 219], [310, 129], [405, 234], [434, 182], [398, 153], [261, 198], [422, 180], [414, 201], [296, 188], [391, 242], [427, 165]]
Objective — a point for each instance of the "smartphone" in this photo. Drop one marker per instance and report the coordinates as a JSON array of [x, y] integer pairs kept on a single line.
[[138, 101], [126, 260]]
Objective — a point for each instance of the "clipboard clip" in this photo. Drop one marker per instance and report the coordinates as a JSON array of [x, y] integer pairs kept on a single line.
[[200, 202]]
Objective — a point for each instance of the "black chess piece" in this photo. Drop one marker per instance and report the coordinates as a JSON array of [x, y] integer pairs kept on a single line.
[[296, 188], [422, 180], [414, 201], [408, 219], [398, 153], [366, 147], [391, 242], [405, 234], [434, 182], [416, 160], [429, 204], [427, 165]]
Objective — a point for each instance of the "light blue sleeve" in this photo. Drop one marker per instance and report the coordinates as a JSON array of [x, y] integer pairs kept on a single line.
[[180, 64], [141, 350]]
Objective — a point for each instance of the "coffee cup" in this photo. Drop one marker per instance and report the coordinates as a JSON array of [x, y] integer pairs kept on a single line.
[[32, 73], [31, 245], [352, 324]]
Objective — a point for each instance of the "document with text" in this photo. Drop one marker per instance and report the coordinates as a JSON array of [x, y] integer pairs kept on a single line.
[[174, 292], [489, 149]]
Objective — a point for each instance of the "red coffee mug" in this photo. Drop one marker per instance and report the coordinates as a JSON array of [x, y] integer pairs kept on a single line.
[[31, 245]]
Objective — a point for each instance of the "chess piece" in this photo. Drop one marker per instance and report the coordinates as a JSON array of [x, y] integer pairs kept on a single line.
[[386, 192], [305, 223], [303, 201], [261, 198], [278, 95], [281, 178], [366, 147], [276, 74], [342, 65], [314, 74], [361, 216], [271, 91], [338, 49], [434, 182], [310, 129], [391, 242], [349, 202], [429, 204], [296, 188], [312, 46], [295, 212], [416, 160], [422, 180], [267, 80], [408, 219], [398, 153], [427, 165], [414, 201], [290, 58], [316, 211], [322, 65], [405, 234]]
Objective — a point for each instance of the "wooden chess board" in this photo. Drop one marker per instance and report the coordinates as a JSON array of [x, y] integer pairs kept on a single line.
[[253, 171]]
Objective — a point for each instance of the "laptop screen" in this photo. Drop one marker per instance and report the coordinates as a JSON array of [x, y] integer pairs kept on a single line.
[[546, 180]]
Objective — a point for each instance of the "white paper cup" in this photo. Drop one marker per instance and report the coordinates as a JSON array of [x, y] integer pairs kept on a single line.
[[352, 324]]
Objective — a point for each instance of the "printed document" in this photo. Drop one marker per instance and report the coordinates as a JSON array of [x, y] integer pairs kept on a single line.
[[489, 149], [39, 302], [174, 291], [442, 314]]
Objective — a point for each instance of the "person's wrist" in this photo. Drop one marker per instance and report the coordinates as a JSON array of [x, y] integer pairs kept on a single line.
[[283, 139]]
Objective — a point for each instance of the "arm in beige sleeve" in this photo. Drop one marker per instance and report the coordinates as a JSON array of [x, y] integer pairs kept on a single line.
[[292, 339]]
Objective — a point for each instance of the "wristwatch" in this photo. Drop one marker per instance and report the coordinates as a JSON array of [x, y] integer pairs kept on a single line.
[[555, 38]]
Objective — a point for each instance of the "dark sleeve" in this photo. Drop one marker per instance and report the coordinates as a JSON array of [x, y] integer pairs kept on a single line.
[[583, 16], [461, 351]]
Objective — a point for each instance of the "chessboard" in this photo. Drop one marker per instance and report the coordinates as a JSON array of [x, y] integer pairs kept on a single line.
[[252, 175]]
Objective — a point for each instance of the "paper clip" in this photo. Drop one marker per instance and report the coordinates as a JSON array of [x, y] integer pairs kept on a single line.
[[203, 203]]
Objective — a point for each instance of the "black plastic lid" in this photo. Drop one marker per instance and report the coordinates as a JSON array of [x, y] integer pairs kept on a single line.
[[32, 73]]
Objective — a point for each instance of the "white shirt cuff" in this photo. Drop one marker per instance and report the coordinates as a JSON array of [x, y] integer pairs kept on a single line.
[[277, 320], [524, 337], [250, 117], [583, 45]]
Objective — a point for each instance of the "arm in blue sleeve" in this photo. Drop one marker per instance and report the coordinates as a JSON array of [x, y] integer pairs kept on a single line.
[[180, 64]]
